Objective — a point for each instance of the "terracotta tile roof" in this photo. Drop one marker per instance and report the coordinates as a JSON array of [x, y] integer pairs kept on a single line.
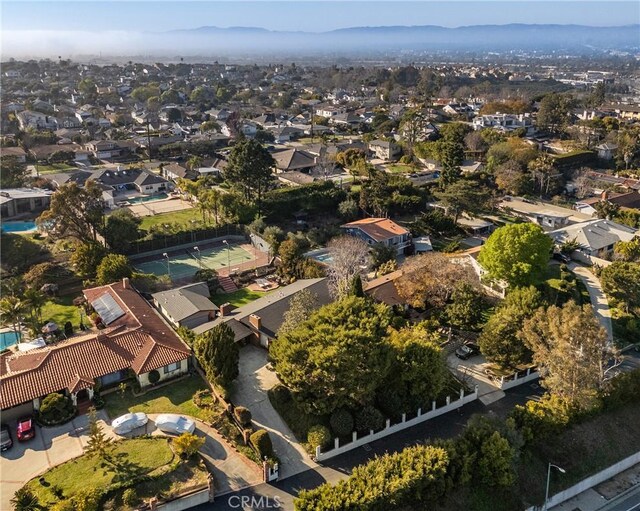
[[380, 229], [139, 340]]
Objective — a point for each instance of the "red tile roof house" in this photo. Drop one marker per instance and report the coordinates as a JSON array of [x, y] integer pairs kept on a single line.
[[380, 230], [135, 338]]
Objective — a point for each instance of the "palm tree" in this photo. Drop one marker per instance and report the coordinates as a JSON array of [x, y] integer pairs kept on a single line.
[[35, 300], [25, 500], [11, 311], [194, 162]]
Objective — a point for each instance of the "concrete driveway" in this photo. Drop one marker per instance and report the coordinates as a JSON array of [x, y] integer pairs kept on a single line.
[[250, 390], [50, 447], [599, 300], [472, 372]]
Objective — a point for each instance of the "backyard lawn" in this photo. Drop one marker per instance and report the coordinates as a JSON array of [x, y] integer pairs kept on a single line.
[[179, 217], [54, 168], [130, 459], [172, 398], [238, 298], [400, 168], [60, 310]]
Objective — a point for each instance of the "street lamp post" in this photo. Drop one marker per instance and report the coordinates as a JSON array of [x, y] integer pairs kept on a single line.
[[546, 494], [228, 256], [168, 267], [199, 257]]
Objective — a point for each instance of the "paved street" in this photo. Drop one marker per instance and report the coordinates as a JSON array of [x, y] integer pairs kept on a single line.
[[444, 426], [599, 300], [250, 390]]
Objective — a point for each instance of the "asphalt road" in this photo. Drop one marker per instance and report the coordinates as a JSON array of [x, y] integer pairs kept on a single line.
[[280, 495], [630, 502]]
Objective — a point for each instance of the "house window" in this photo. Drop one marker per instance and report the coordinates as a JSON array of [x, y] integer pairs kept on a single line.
[[171, 367]]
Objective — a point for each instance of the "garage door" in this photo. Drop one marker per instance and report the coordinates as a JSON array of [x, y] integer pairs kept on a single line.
[[11, 415]]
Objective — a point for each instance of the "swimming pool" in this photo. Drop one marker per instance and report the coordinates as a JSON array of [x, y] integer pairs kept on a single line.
[[322, 255], [8, 339], [17, 226], [148, 198]]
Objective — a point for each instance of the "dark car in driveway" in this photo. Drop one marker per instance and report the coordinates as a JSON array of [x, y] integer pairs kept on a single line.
[[26, 429], [467, 350], [5, 438], [563, 258]]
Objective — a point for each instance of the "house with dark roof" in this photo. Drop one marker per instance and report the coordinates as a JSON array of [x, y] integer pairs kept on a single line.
[[135, 340], [595, 237], [187, 306], [22, 201], [260, 320], [379, 230], [294, 159], [626, 200]]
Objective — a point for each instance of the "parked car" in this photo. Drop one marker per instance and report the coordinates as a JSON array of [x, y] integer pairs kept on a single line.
[[128, 422], [176, 424], [563, 258], [5, 438], [467, 350], [26, 429]]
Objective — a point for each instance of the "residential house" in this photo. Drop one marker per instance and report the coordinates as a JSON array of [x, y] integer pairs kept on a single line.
[[385, 150], [595, 237], [44, 152], [104, 149], [23, 201], [174, 172], [504, 122], [295, 178], [36, 120], [294, 159], [380, 230], [135, 341], [627, 200], [15, 152], [259, 321], [607, 151], [547, 216], [383, 289], [188, 306]]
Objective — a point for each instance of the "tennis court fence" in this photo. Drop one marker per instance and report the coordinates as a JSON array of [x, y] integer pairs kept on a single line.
[[183, 238]]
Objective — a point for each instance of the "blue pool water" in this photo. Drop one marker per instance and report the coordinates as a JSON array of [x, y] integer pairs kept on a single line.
[[18, 226], [321, 257], [150, 198], [8, 339]]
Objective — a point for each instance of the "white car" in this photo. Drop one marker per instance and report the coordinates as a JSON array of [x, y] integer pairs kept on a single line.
[[176, 424], [128, 422]]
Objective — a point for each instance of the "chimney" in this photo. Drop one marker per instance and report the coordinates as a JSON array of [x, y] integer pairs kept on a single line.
[[101, 337], [255, 321], [225, 309], [604, 195], [125, 283]]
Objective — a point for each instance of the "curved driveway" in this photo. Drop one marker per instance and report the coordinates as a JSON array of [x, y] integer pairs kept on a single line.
[[599, 300]]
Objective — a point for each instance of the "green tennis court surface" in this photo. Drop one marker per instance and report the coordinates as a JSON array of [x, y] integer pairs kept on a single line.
[[187, 263]]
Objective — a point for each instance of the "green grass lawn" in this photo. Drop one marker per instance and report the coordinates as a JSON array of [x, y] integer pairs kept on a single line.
[[239, 297], [400, 168], [130, 458], [54, 168], [179, 217], [60, 310], [173, 398]]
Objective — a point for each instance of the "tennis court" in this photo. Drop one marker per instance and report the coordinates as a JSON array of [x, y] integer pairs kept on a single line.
[[186, 263]]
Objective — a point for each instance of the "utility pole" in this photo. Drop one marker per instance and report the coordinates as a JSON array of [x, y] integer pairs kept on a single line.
[[149, 137]]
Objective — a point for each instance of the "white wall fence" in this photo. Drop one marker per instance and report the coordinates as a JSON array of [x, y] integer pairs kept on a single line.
[[507, 382], [404, 424], [590, 481], [186, 502]]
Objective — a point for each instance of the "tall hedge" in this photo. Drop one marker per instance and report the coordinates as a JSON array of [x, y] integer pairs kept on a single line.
[[417, 474]]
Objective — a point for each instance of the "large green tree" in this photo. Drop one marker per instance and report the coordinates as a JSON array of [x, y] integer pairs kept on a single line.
[[112, 268], [121, 229], [13, 174], [500, 340], [572, 352], [621, 281], [336, 358], [218, 354], [553, 113], [74, 212], [464, 195], [516, 253], [249, 169]]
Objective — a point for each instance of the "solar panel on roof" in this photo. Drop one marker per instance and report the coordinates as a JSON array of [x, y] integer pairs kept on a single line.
[[107, 309]]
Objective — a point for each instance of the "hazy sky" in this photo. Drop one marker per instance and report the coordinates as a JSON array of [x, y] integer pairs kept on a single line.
[[316, 16]]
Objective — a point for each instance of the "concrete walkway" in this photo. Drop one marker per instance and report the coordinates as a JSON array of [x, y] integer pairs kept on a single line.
[[250, 390], [599, 300]]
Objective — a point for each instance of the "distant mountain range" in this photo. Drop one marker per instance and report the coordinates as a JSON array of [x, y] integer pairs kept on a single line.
[[478, 38]]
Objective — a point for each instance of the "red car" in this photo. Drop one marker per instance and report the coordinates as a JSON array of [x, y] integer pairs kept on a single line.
[[26, 429]]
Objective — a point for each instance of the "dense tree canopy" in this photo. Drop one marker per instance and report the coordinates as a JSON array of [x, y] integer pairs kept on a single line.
[[516, 253], [249, 168]]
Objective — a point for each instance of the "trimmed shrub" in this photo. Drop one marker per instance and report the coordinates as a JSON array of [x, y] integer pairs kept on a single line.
[[242, 415], [187, 444], [369, 418], [262, 442], [56, 409], [341, 422], [318, 435], [130, 497], [154, 377]]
